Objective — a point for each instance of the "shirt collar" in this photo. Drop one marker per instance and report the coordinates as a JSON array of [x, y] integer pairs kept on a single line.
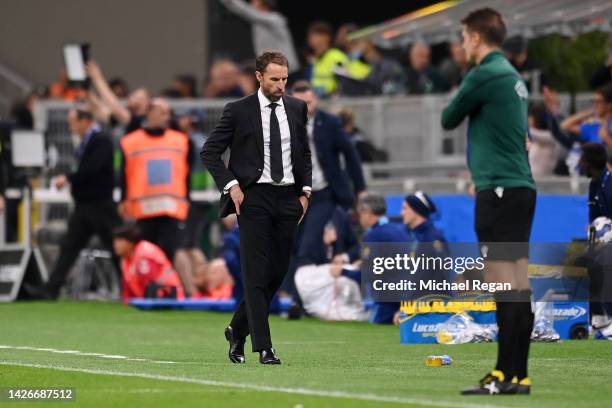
[[422, 227], [264, 101], [496, 53]]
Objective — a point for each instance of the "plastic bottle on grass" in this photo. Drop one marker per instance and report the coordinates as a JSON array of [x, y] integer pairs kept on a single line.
[[436, 361]]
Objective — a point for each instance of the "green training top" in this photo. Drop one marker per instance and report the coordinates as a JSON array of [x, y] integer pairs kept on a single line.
[[494, 97]]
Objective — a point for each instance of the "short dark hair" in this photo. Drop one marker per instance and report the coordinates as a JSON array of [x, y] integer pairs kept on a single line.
[[270, 4], [129, 232], [301, 86], [537, 110], [321, 27], [606, 92], [83, 113], [488, 23], [595, 155], [375, 203], [190, 81], [270, 57]]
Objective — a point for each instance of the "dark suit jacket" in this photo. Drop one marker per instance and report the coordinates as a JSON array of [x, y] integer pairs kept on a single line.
[[94, 179], [240, 129], [330, 140]]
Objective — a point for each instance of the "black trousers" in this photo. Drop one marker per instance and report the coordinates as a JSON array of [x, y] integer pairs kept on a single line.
[[166, 232], [267, 221], [87, 219]]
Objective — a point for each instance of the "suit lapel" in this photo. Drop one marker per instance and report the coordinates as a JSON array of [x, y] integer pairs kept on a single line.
[[292, 121], [316, 134], [256, 123]]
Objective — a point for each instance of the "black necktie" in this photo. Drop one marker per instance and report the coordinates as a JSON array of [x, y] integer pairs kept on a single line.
[[276, 153]]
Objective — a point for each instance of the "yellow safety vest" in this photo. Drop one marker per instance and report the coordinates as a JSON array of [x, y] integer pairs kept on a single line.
[[323, 78]]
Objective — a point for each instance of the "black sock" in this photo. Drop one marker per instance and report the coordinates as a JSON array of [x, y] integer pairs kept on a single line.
[[507, 323], [524, 337]]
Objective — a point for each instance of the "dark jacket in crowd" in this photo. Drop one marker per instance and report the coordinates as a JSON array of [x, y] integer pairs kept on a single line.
[[93, 181], [330, 140]]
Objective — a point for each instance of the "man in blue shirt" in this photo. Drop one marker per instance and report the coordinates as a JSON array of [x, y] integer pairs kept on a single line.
[[372, 210], [593, 164]]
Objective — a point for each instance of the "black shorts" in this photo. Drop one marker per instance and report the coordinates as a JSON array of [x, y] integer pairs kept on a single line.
[[506, 219], [197, 221]]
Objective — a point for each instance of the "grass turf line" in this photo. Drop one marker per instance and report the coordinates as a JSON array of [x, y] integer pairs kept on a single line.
[[354, 358]]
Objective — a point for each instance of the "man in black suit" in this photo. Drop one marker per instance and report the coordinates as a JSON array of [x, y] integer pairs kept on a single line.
[[267, 182], [91, 186]]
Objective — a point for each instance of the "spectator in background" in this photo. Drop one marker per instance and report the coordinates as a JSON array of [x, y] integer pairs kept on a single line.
[[131, 116], [421, 77], [230, 252], [368, 153], [385, 75], [91, 187], [357, 67], [330, 286], [330, 185], [417, 210], [372, 210], [155, 178], [586, 124], [189, 256], [603, 75], [62, 89], [597, 258], [516, 51], [325, 58], [185, 86], [341, 41], [247, 81], [216, 282], [223, 81], [543, 148], [269, 28], [119, 87], [454, 68], [145, 269], [593, 164]]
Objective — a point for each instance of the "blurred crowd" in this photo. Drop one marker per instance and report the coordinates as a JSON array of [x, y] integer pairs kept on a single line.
[[337, 63]]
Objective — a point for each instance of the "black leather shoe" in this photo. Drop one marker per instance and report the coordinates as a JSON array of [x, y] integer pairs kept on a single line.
[[236, 350], [268, 356]]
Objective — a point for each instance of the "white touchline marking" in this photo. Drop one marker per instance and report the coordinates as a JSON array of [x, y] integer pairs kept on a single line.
[[262, 388], [86, 354]]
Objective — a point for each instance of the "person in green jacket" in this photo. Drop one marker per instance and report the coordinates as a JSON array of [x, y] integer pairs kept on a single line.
[[494, 98], [326, 58]]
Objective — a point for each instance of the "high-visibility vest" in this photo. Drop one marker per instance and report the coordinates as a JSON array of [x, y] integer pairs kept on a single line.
[[359, 69], [156, 169], [323, 77]]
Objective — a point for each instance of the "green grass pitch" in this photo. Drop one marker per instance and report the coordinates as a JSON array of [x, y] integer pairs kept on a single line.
[[178, 358]]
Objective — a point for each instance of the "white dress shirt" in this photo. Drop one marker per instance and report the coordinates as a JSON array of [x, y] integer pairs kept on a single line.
[[283, 122]]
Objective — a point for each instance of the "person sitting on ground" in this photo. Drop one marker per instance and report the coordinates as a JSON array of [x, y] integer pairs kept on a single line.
[[214, 281], [146, 271], [323, 286]]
